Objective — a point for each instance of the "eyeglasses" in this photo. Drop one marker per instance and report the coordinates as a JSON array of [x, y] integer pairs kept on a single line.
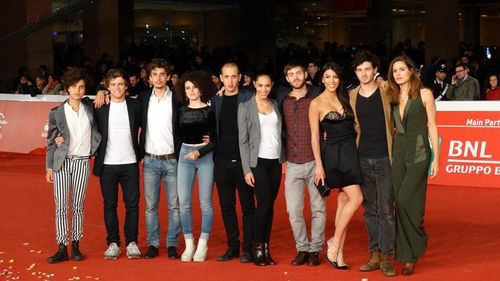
[[458, 71]]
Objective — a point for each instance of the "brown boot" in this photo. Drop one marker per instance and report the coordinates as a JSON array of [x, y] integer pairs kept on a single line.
[[386, 265], [373, 263], [408, 268]]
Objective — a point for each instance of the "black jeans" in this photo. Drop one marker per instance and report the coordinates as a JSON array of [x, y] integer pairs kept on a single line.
[[128, 176], [267, 175], [378, 202], [229, 178]]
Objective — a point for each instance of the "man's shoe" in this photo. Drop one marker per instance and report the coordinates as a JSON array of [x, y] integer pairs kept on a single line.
[[76, 255], [408, 268], [113, 252], [246, 257], [152, 252], [172, 253], [300, 258], [228, 255], [60, 255], [133, 251], [313, 259], [373, 263], [386, 265]]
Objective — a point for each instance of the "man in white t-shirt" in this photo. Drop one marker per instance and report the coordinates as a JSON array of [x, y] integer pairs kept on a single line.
[[117, 163]]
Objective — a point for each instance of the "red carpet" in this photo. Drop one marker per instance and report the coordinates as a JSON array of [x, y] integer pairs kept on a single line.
[[463, 226]]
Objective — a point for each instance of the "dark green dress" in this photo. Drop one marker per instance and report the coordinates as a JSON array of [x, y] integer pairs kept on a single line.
[[410, 164]]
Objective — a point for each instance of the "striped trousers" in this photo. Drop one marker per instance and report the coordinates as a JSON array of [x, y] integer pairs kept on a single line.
[[72, 179]]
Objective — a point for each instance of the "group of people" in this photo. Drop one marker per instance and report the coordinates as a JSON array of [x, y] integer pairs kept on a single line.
[[373, 144], [462, 87]]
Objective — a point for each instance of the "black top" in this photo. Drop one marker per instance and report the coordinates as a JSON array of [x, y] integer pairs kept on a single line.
[[194, 123], [373, 139], [228, 126]]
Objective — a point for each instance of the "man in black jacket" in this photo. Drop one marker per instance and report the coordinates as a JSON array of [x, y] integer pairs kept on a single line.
[[117, 162]]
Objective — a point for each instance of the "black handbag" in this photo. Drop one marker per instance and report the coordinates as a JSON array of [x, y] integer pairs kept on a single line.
[[323, 188]]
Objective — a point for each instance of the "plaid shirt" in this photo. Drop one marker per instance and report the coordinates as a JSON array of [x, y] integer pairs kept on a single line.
[[298, 132]]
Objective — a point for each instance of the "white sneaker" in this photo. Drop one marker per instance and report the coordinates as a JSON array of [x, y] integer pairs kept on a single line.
[[133, 251], [113, 252], [201, 251], [188, 253]]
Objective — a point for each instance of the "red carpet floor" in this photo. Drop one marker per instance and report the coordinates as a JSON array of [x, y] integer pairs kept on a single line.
[[463, 226]]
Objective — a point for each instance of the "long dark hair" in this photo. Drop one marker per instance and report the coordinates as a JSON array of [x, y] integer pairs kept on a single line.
[[415, 84], [342, 94]]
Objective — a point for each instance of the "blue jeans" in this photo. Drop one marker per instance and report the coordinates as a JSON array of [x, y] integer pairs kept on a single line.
[[185, 177], [378, 202], [154, 171]]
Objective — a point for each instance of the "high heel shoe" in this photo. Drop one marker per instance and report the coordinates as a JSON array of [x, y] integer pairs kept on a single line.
[[340, 261], [334, 256], [259, 254], [269, 259]]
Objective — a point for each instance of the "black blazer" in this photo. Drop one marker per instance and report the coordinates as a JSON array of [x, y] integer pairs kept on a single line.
[[134, 109], [144, 100]]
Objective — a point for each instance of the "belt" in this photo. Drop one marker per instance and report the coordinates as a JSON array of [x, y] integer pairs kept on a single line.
[[161, 157], [76, 157]]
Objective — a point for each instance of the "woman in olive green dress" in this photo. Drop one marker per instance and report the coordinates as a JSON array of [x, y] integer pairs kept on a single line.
[[414, 114]]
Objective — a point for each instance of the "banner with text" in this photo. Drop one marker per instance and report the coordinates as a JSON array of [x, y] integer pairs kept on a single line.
[[470, 149]]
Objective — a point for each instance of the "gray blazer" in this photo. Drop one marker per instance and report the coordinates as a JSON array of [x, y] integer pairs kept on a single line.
[[55, 156], [249, 133]]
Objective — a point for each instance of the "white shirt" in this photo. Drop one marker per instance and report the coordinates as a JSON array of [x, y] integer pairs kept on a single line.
[[79, 130], [269, 136], [159, 132], [119, 149]]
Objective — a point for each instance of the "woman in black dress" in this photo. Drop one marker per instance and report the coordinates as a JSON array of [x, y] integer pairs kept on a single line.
[[336, 155]]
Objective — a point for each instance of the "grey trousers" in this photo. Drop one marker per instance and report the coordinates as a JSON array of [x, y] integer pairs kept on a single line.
[[298, 177]]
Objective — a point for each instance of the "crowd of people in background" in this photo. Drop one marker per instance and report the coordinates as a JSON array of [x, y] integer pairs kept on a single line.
[[470, 71]]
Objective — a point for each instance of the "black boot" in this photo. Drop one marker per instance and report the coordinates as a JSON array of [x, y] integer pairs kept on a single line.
[[60, 255], [75, 251], [267, 254], [259, 256]]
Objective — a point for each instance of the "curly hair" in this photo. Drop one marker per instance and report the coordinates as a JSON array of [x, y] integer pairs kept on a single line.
[[159, 63], [201, 80], [364, 55], [73, 76]]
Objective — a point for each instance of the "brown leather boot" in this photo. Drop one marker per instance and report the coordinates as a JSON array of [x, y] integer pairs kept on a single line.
[[386, 265], [408, 268], [373, 263]]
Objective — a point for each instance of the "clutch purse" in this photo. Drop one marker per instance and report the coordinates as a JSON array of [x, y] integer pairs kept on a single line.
[[323, 188]]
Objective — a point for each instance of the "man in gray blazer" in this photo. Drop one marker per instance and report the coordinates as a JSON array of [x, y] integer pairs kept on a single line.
[[67, 164]]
